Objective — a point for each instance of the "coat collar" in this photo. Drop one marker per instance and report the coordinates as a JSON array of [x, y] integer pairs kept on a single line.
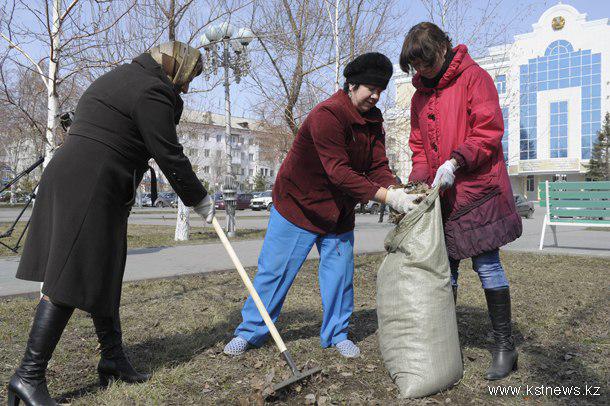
[[147, 62], [372, 116], [461, 61]]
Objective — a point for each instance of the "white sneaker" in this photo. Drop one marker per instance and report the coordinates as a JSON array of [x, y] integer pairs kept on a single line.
[[348, 349], [237, 346]]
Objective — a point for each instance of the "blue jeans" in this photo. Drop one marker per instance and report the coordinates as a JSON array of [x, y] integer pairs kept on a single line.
[[489, 268], [285, 248]]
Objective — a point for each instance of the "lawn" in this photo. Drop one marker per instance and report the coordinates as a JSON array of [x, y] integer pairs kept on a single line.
[[176, 328], [145, 236]]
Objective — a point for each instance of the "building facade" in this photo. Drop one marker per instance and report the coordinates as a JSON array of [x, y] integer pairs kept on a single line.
[[553, 84], [203, 136]]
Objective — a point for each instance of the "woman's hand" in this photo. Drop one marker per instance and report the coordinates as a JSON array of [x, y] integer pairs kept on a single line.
[[205, 208], [445, 174], [400, 201]]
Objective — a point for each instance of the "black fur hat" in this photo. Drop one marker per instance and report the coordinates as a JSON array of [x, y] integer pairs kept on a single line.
[[371, 68]]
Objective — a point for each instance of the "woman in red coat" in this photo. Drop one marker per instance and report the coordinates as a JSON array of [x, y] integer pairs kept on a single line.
[[456, 134]]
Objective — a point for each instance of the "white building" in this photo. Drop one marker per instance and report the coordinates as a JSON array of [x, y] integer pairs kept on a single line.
[[554, 88], [204, 139]]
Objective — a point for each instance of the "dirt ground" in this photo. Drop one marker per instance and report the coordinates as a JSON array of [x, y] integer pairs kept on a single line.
[[176, 328]]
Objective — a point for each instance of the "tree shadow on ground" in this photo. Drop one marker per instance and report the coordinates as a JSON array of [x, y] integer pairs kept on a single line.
[[554, 364], [474, 327], [167, 351], [562, 363]]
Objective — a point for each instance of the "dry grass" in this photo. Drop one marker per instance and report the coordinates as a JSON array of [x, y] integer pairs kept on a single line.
[[146, 236], [176, 328]]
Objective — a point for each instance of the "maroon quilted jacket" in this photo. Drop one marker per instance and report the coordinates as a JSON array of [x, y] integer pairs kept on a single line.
[[336, 160], [461, 118]]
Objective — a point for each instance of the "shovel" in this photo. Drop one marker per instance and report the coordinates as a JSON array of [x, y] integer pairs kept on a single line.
[[296, 374]]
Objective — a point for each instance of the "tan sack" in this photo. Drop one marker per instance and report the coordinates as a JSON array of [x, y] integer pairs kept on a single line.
[[418, 335]]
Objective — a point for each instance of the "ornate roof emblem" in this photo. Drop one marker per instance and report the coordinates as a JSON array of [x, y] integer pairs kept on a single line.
[[558, 23]]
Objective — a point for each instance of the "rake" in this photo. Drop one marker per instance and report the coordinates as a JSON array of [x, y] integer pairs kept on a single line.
[[297, 375]]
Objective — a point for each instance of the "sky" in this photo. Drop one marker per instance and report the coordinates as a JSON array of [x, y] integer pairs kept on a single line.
[[415, 12], [243, 100]]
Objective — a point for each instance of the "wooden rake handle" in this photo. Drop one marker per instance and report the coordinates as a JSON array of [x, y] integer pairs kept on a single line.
[[244, 277]]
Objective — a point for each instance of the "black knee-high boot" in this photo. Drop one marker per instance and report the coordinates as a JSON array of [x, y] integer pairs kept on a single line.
[[504, 354], [28, 383], [113, 364]]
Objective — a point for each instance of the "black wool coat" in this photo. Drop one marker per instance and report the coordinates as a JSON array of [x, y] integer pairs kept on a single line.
[[77, 241]]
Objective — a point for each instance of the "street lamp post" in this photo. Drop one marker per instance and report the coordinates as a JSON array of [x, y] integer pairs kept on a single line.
[[226, 50]]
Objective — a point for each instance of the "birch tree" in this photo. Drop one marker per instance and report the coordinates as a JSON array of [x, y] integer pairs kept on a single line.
[[53, 41]]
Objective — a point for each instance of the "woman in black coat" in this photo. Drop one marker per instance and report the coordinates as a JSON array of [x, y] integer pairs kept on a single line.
[[77, 243]]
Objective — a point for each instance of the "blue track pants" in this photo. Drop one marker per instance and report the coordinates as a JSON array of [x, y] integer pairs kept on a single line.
[[285, 248]]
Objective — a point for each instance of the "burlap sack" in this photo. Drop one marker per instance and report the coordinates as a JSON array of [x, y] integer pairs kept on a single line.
[[418, 334]]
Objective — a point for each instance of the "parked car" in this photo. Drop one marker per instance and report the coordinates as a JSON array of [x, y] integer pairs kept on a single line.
[[263, 201], [20, 197], [166, 199], [524, 208], [243, 201]]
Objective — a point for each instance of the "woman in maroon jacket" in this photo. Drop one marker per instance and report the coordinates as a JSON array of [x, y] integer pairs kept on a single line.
[[337, 160], [456, 134]]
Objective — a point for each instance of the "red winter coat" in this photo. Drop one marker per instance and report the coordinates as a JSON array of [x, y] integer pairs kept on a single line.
[[461, 118], [336, 160]]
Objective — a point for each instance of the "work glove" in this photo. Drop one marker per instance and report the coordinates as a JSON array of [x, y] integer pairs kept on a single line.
[[445, 175], [205, 208], [400, 201]]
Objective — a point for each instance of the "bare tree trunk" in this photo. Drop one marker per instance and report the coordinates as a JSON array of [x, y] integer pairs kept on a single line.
[[182, 223], [53, 99], [337, 52], [335, 25]]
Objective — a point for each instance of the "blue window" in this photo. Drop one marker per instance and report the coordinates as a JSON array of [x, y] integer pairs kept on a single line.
[[596, 104], [559, 47], [559, 129], [560, 67], [596, 79], [501, 84], [596, 91]]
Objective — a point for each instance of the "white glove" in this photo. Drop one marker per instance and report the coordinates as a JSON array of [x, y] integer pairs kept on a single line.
[[444, 175], [400, 201], [205, 208]]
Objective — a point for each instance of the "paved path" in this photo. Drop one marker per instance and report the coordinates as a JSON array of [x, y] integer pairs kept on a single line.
[[148, 263], [145, 263]]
